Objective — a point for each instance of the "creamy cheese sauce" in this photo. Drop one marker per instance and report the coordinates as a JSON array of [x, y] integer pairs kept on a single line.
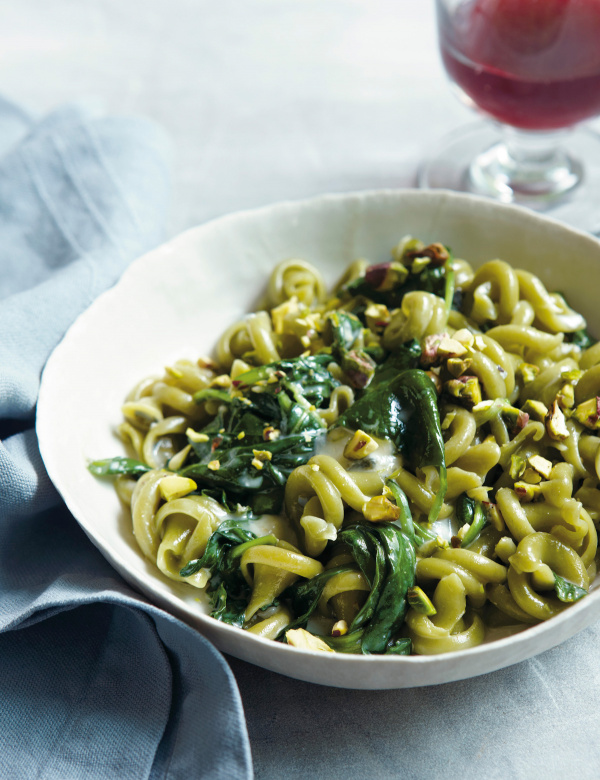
[[384, 460]]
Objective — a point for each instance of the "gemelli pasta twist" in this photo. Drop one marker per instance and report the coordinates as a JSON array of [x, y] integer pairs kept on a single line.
[[410, 464]]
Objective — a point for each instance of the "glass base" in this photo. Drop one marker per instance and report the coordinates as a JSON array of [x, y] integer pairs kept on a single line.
[[475, 159]]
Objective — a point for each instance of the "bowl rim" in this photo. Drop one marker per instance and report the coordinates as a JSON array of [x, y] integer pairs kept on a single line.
[[219, 632]]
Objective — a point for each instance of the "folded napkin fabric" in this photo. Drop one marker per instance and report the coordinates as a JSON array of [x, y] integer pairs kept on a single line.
[[96, 682]]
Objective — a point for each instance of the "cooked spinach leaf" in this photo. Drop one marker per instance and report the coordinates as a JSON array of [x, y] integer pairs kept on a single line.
[[266, 426], [229, 534], [416, 532], [114, 467], [227, 589], [567, 591], [401, 405], [470, 512], [346, 334], [245, 478], [430, 279], [387, 560], [309, 372], [346, 331], [581, 338], [227, 609], [305, 594], [402, 646], [392, 605]]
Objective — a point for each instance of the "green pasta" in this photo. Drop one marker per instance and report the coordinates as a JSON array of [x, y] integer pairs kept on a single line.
[[406, 465]]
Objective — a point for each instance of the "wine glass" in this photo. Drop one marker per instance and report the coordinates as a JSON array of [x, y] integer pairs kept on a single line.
[[532, 67]]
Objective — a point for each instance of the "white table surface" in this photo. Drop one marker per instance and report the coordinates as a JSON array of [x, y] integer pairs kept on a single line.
[[267, 100], [264, 99]]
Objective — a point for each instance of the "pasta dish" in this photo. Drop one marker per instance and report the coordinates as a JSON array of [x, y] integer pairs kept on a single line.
[[399, 466]]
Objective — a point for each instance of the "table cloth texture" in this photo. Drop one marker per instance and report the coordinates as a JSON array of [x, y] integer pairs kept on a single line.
[[95, 682]]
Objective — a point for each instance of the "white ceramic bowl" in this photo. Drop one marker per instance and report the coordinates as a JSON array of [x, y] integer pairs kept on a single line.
[[175, 301]]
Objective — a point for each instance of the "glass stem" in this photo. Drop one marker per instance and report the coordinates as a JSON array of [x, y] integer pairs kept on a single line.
[[526, 167]]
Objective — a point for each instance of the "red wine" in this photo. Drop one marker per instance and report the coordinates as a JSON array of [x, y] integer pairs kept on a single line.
[[533, 64]]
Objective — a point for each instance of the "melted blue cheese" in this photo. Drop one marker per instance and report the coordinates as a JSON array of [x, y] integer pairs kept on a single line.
[[383, 461]]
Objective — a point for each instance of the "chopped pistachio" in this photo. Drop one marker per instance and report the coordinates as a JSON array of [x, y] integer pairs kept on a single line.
[[531, 476], [566, 397], [542, 465], [436, 253], [340, 628], [270, 433], [526, 491], [204, 362], [517, 466], [588, 413], [516, 417], [304, 640], [386, 276], [359, 446], [429, 353], [466, 389], [420, 601], [479, 343], [380, 508], [359, 367], [196, 436], [573, 376], [315, 467], [176, 487], [465, 337], [458, 366], [377, 316], [555, 422], [262, 455], [223, 381], [419, 263], [214, 465], [527, 372], [535, 409], [451, 348]]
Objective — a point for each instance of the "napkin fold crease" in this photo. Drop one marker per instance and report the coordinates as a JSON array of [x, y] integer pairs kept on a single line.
[[96, 681]]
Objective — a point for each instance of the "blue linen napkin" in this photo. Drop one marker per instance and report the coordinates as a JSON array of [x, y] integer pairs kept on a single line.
[[95, 682]]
